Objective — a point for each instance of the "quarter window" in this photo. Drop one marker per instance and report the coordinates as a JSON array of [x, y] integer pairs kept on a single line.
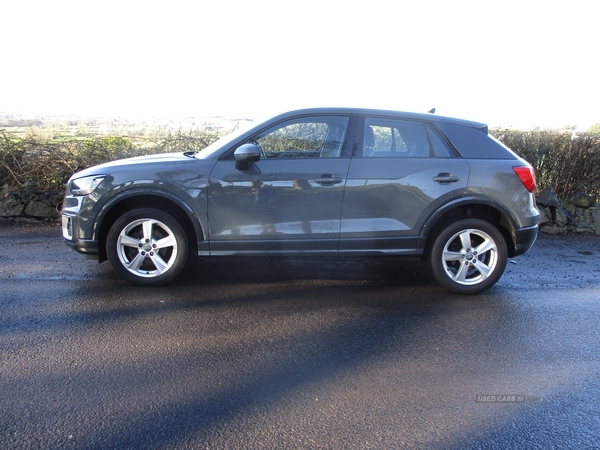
[[392, 138]]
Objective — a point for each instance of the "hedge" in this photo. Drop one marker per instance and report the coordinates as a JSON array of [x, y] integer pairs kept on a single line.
[[565, 162], [50, 164]]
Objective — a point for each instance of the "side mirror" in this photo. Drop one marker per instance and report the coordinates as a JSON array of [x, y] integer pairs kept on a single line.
[[245, 154]]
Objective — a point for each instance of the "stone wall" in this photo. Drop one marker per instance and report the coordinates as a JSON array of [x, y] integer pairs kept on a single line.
[[28, 204], [578, 215]]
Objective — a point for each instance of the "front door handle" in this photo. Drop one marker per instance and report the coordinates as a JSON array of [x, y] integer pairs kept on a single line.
[[328, 180], [445, 178]]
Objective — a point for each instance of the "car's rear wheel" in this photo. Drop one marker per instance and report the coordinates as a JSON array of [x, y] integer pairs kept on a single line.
[[468, 256], [147, 247]]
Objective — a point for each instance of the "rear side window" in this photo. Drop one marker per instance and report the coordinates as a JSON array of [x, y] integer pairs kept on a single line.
[[395, 138], [472, 143]]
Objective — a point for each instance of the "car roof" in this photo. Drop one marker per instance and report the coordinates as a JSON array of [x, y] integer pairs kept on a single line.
[[383, 112]]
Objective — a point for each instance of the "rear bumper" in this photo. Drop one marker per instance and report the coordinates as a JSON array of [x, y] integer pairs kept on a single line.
[[524, 239]]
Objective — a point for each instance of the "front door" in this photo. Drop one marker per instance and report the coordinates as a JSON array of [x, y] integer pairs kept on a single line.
[[290, 200]]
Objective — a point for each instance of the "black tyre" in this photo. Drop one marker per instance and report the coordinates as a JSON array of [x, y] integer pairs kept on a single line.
[[147, 247], [468, 256]]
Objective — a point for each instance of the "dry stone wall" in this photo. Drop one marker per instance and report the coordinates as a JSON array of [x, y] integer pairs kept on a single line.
[[580, 214], [28, 204]]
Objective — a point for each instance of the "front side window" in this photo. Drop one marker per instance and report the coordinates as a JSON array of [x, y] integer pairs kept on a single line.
[[314, 137], [394, 138]]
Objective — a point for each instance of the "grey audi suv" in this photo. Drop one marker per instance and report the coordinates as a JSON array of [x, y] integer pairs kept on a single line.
[[325, 182]]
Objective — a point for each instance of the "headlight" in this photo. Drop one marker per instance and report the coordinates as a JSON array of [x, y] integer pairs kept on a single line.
[[85, 185]]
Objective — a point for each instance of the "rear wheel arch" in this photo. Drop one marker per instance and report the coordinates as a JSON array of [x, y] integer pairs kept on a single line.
[[489, 213], [193, 231]]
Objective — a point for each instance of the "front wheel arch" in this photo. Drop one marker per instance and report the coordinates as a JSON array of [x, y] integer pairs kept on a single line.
[[193, 229]]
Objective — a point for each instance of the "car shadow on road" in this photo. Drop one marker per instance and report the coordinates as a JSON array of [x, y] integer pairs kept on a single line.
[[262, 270]]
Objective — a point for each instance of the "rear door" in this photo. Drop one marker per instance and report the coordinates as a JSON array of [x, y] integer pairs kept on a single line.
[[288, 201], [400, 172]]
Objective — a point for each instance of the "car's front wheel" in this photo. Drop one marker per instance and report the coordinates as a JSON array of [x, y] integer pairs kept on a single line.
[[468, 256], [147, 247]]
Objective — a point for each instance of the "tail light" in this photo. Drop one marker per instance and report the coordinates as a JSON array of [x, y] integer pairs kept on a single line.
[[527, 177]]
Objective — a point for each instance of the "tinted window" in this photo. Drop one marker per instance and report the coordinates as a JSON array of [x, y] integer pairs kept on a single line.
[[305, 138], [438, 143], [392, 138], [473, 143]]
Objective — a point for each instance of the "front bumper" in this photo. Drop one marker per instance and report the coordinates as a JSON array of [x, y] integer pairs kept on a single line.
[[87, 247]]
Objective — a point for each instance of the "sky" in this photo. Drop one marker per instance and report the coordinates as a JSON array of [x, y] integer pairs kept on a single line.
[[506, 63]]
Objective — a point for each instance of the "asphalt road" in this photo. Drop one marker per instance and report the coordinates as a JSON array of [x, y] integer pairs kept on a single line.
[[296, 354]]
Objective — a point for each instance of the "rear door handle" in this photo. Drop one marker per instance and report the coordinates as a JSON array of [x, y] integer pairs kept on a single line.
[[445, 178], [328, 180]]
